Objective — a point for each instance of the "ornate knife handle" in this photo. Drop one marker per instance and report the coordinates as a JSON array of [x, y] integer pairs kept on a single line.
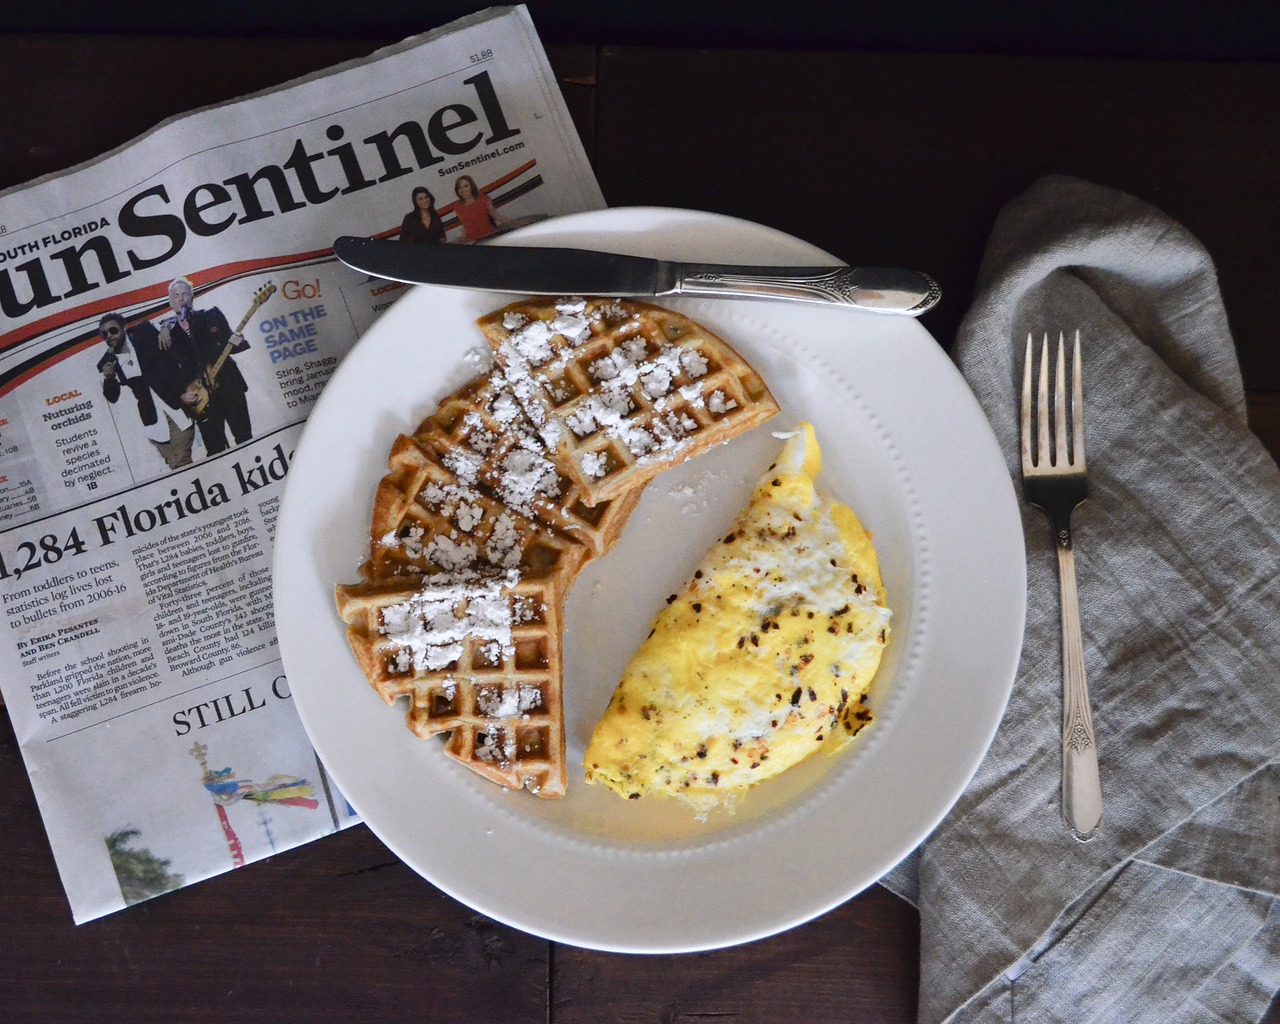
[[877, 289]]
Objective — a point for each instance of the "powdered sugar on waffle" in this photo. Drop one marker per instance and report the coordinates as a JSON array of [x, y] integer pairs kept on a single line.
[[526, 475], [496, 702], [458, 550], [609, 408], [532, 339], [410, 543], [431, 628], [523, 386], [531, 359], [498, 745]]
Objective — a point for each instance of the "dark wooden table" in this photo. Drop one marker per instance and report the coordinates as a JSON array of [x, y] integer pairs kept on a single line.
[[894, 159]]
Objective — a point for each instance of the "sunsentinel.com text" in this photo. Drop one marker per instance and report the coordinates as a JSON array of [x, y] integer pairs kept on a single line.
[[444, 172]]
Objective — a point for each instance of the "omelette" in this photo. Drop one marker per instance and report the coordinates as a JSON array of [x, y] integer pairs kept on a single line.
[[763, 658]]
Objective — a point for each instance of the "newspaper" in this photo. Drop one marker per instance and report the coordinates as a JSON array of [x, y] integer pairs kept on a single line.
[[169, 314]]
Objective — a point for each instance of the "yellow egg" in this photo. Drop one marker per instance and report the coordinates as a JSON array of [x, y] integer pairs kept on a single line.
[[762, 659]]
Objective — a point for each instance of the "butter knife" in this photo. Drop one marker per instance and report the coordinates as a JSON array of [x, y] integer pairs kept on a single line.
[[540, 270]]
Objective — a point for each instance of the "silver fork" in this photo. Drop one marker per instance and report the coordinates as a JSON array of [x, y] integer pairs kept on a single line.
[[1053, 479]]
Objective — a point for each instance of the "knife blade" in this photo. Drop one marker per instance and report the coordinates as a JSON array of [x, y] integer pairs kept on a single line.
[[541, 270]]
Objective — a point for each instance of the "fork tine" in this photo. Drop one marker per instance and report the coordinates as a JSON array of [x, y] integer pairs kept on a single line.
[[1027, 461], [1077, 407], [1061, 457], [1045, 454]]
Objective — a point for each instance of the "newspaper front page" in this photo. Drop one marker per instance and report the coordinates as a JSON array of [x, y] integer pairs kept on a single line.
[[169, 314]]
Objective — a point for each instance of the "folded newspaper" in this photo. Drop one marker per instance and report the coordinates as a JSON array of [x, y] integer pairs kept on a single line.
[[171, 312]]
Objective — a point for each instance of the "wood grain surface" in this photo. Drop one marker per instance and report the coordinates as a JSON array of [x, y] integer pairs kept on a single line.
[[894, 159]]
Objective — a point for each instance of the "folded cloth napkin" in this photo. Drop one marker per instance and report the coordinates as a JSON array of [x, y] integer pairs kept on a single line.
[[1172, 914]]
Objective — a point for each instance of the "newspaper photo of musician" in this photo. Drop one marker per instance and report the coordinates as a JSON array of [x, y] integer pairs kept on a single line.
[[134, 360], [216, 396]]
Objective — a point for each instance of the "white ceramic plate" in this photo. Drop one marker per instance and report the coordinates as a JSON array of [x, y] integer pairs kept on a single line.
[[905, 444]]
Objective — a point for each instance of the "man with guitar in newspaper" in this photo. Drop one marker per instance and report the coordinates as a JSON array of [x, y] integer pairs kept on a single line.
[[216, 398], [133, 360]]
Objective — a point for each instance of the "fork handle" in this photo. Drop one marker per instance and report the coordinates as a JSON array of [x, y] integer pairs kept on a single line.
[[1081, 786]]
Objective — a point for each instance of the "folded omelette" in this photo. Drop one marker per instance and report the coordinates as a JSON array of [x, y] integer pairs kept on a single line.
[[762, 659]]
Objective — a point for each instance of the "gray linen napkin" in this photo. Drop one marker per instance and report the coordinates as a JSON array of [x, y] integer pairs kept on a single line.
[[1173, 912]]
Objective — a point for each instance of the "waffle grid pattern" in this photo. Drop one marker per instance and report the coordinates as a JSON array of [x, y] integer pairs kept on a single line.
[[638, 391], [502, 707], [491, 508]]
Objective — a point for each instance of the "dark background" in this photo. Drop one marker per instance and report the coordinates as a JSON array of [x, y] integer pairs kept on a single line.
[[1181, 29], [931, 115]]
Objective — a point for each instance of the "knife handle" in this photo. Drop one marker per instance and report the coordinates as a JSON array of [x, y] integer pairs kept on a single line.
[[877, 289]]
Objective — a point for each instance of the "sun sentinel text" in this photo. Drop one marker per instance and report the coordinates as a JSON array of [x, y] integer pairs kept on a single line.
[[151, 227]]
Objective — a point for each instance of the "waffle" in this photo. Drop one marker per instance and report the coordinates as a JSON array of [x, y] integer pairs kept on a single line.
[[492, 506], [426, 521], [481, 434], [619, 390], [478, 655]]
